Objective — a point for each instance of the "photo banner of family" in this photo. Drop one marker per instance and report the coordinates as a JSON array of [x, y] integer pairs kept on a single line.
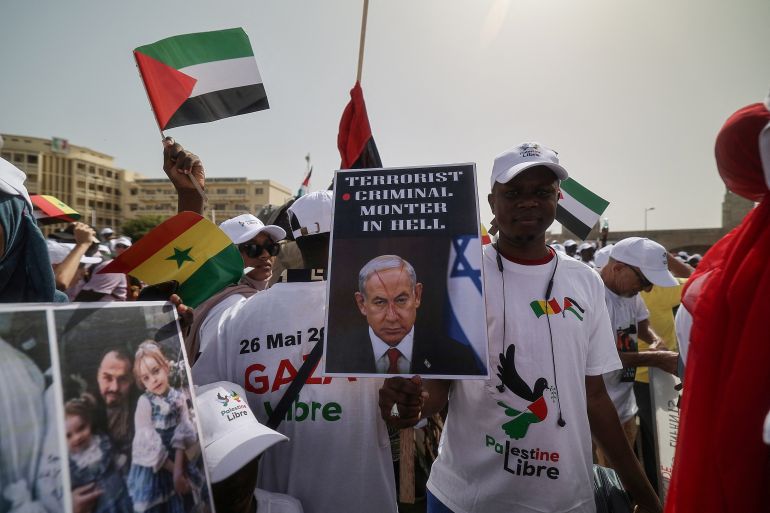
[[103, 418], [405, 284]]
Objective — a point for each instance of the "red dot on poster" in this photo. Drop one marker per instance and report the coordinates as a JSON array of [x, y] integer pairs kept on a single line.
[[346, 196]]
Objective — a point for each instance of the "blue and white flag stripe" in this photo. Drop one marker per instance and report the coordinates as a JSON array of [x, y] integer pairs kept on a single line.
[[466, 318]]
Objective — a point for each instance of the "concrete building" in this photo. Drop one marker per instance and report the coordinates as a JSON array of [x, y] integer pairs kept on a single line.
[[227, 197], [106, 195], [84, 179]]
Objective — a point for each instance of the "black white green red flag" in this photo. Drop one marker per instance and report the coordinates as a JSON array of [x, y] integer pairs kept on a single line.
[[355, 140], [201, 77], [579, 209]]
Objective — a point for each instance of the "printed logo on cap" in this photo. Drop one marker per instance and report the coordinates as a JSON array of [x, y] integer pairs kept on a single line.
[[530, 150], [225, 400]]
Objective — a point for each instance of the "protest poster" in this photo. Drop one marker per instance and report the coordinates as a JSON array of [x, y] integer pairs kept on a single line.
[[405, 284], [117, 407], [665, 405]]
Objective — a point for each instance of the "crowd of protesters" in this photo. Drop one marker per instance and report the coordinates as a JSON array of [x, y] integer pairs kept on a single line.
[[594, 366]]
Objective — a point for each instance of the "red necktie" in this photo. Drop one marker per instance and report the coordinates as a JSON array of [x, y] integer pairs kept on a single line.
[[393, 355]]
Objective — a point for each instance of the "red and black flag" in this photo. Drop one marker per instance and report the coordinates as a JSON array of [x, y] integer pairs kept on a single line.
[[355, 140]]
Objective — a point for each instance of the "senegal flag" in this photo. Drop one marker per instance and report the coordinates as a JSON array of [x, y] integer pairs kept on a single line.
[[49, 210], [202, 77], [187, 248]]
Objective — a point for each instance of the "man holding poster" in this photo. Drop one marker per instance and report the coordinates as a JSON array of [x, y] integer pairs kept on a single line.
[[521, 441]]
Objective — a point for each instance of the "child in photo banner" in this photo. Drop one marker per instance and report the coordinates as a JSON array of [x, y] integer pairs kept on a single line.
[[162, 478], [91, 457]]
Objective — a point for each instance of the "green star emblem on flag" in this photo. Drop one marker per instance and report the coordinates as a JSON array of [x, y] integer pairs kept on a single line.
[[181, 256]]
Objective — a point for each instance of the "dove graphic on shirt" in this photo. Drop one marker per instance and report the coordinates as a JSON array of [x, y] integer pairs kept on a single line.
[[535, 412]]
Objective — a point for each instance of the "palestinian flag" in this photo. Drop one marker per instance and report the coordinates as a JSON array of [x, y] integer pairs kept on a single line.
[[355, 140], [187, 248], [49, 210], [579, 209], [202, 77], [305, 184]]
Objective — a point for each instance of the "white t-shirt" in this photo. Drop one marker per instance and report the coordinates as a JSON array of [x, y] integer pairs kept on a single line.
[[625, 314], [209, 329], [503, 451], [338, 456]]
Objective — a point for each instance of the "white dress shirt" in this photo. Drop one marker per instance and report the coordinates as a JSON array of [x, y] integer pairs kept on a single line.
[[380, 349]]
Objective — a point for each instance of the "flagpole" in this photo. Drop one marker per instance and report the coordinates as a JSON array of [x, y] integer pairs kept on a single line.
[[362, 41], [160, 129]]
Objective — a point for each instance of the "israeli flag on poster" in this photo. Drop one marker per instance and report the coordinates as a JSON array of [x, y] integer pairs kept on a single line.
[[466, 316]]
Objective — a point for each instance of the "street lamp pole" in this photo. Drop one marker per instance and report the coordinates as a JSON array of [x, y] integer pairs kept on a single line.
[[645, 216]]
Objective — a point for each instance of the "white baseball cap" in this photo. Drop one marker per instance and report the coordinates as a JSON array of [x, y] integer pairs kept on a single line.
[[650, 257], [245, 227], [106, 231], [232, 436], [602, 256], [58, 251], [122, 240], [524, 156], [569, 243], [313, 213]]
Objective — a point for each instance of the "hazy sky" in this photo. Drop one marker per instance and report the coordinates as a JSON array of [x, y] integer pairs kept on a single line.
[[630, 93]]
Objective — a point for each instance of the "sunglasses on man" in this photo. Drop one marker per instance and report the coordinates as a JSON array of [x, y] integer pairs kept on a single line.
[[253, 250]]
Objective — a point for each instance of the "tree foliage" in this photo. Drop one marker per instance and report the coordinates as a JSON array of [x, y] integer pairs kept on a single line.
[[138, 228]]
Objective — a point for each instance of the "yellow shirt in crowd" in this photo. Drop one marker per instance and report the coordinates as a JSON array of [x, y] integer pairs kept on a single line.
[[660, 302]]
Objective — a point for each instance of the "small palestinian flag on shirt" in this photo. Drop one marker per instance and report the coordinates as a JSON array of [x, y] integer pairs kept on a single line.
[[202, 77], [187, 248], [579, 209], [49, 210]]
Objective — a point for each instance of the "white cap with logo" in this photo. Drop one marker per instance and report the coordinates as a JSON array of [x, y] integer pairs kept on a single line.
[[313, 213], [232, 436], [245, 227], [524, 156], [650, 257]]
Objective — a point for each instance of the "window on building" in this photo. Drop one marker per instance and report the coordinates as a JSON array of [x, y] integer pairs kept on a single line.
[[18, 157], [81, 202], [221, 191], [134, 191], [259, 190], [81, 185], [219, 206], [92, 170], [240, 191], [31, 159], [108, 173], [6, 155], [91, 187], [133, 207], [91, 203], [81, 166]]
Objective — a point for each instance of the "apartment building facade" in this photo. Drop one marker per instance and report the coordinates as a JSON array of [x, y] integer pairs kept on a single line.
[[227, 197], [84, 179], [106, 195]]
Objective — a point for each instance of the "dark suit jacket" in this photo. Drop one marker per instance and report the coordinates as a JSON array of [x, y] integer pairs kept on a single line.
[[430, 355]]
